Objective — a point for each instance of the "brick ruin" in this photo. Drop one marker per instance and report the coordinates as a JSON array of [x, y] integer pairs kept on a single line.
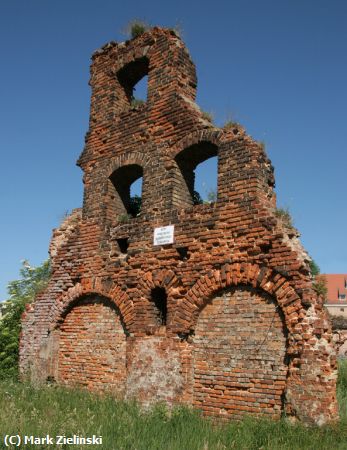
[[225, 318]]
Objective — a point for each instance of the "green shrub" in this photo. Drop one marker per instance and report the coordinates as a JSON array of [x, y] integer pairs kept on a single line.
[[137, 27], [320, 283], [315, 270], [197, 200], [122, 218], [21, 292], [212, 196], [320, 286]]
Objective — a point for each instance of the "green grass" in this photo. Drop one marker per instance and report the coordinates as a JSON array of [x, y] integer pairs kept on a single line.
[[27, 410]]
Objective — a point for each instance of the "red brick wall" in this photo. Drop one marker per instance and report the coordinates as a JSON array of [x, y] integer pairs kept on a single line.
[[92, 347], [157, 370], [239, 355], [237, 242]]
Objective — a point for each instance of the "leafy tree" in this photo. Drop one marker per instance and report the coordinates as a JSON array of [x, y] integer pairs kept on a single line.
[[197, 200], [319, 281], [135, 205], [21, 292], [212, 196], [315, 270]]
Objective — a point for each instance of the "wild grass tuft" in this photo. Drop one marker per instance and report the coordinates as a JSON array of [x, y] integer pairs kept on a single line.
[[207, 116], [137, 27], [285, 217]]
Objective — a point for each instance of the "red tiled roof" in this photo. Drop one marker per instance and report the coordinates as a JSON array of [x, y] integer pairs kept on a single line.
[[337, 284]]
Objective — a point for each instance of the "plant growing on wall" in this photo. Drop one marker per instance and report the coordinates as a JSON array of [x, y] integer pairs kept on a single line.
[[136, 102], [137, 27], [207, 116], [285, 217]]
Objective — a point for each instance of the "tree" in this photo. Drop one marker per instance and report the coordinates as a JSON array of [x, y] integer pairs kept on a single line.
[[319, 281], [197, 200], [135, 205], [22, 291], [315, 270]]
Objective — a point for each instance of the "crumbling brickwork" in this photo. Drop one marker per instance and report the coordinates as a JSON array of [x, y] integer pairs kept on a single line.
[[224, 318]]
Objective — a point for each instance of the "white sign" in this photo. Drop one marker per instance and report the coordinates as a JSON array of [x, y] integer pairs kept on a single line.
[[163, 235]]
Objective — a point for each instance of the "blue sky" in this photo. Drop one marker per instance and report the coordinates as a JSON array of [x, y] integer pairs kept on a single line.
[[278, 67]]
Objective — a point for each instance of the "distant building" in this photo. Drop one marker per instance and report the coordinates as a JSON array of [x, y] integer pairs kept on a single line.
[[337, 294]]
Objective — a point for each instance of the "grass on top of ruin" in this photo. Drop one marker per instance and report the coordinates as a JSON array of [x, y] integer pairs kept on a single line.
[[26, 410]]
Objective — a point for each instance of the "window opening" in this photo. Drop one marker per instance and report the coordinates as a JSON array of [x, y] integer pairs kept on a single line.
[[127, 181], [205, 185], [159, 298], [133, 77], [140, 92], [199, 168], [123, 245], [183, 253], [136, 197]]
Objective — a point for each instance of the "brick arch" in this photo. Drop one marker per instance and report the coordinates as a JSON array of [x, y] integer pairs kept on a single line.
[[186, 155], [269, 282], [92, 339], [110, 291], [166, 279], [158, 278], [133, 166], [215, 137], [240, 343], [139, 158], [237, 274]]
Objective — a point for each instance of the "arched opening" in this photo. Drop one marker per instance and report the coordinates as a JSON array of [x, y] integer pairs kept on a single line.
[[159, 300], [197, 179], [123, 244], [133, 77], [92, 346], [127, 183], [239, 356]]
